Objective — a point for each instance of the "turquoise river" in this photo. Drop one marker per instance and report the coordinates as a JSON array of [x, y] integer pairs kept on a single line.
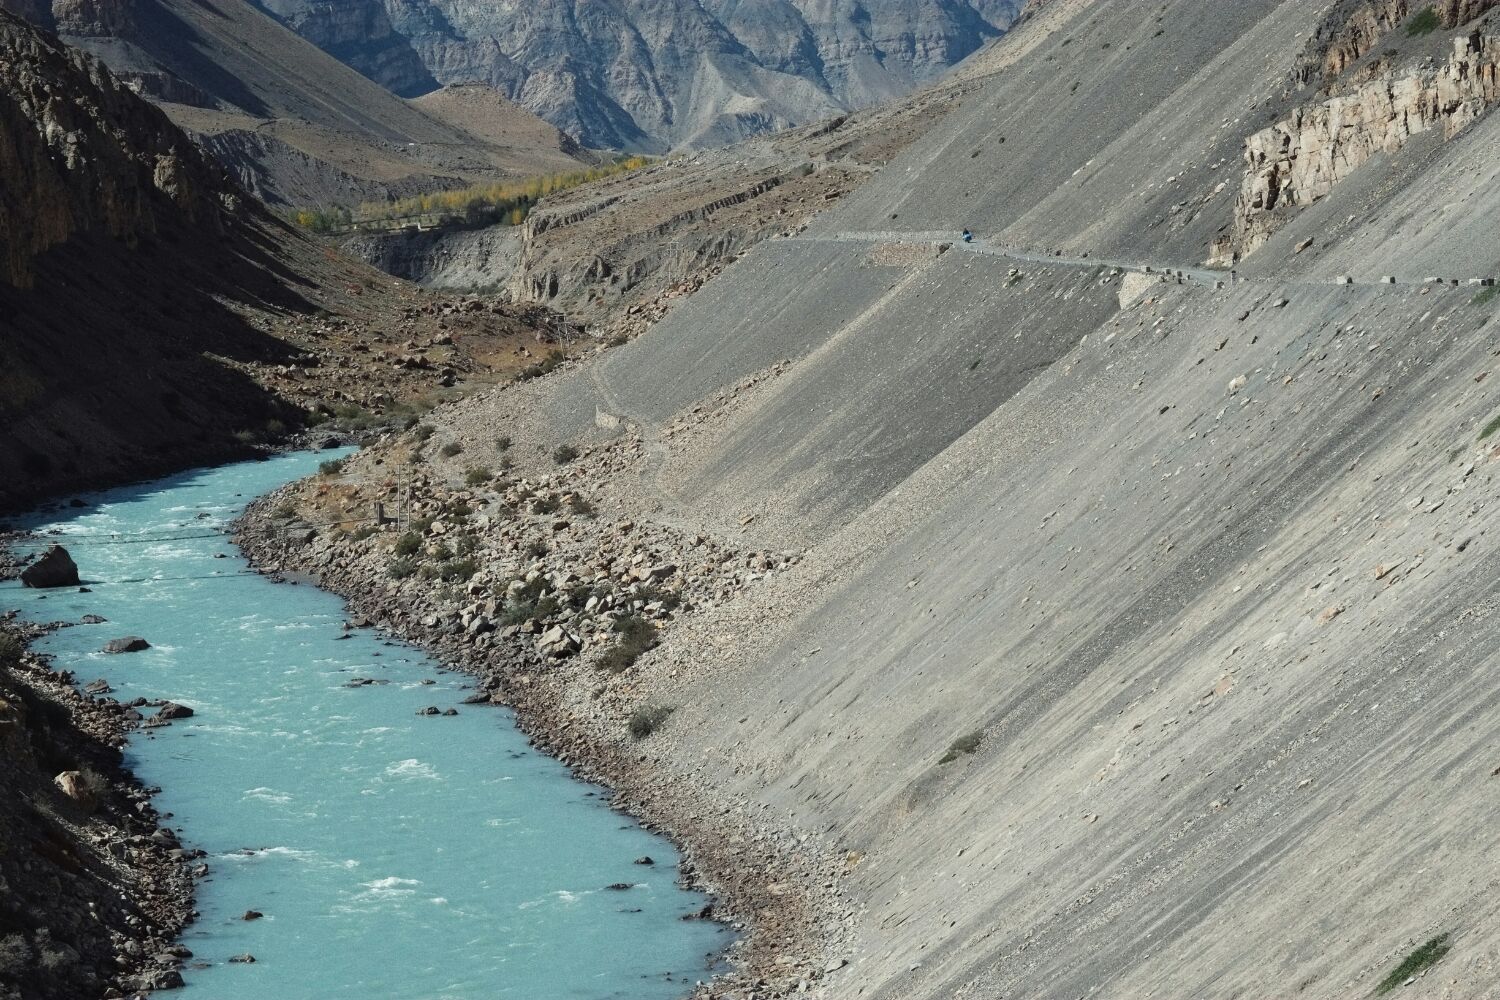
[[395, 857]]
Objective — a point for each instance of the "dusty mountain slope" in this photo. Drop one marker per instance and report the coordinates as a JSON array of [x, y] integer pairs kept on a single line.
[[1141, 635], [652, 76], [296, 125], [617, 254], [156, 316]]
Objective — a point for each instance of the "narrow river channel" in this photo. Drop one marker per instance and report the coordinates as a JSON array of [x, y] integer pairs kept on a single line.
[[394, 856]]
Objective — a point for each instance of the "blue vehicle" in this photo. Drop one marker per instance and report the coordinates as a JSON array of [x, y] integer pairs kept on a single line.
[[968, 236]]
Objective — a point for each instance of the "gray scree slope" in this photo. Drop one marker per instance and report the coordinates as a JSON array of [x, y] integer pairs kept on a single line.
[[1211, 576]]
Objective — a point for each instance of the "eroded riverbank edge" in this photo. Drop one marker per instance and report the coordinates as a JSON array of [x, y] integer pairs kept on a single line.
[[97, 888], [765, 883]]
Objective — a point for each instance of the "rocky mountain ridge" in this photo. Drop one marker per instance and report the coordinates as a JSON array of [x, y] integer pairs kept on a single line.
[[650, 76], [296, 126]]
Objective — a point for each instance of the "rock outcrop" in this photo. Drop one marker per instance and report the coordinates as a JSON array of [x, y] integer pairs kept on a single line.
[[1299, 160], [86, 155], [1356, 28]]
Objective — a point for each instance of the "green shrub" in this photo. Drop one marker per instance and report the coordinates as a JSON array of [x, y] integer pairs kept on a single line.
[[332, 467], [408, 544], [361, 534], [648, 719], [286, 510], [425, 431], [402, 567], [478, 476], [458, 570], [1485, 296], [450, 449], [502, 443], [525, 603], [11, 649], [1420, 960], [580, 506], [1423, 23], [543, 367], [962, 746], [537, 549], [564, 453], [1490, 428], [637, 637], [545, 505]]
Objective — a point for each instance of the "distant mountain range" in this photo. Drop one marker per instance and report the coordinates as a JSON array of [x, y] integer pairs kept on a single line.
[[656, 74], [296, 126]]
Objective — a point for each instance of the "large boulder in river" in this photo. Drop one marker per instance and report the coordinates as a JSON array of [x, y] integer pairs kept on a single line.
[[55, 568], [126, 644]]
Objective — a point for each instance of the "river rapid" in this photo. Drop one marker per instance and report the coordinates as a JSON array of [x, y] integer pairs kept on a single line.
[[393, 855]]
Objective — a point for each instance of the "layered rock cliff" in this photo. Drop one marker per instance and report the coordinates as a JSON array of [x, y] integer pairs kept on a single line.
[[1300, 159]]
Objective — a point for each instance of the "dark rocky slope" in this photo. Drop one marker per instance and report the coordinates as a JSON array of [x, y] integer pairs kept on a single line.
[[122, 247], [92, 890], [156, 316]]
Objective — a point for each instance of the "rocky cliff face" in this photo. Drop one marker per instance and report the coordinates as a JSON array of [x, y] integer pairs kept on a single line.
[[359, 34], [154, 316], [653, 75], [84, 154], [1298, 160], [1356, 27]]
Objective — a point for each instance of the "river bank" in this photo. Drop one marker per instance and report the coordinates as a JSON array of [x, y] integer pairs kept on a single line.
[[366, 834], [559, 579], [97, 889]]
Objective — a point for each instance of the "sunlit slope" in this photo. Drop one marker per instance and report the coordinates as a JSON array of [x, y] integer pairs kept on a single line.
[[1191, 583]]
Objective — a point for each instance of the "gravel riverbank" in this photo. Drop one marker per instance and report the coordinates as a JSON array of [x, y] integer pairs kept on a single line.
[[550, 586], [94, 886]]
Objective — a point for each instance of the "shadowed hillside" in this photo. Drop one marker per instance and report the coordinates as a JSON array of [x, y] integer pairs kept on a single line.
[[157, 316]]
